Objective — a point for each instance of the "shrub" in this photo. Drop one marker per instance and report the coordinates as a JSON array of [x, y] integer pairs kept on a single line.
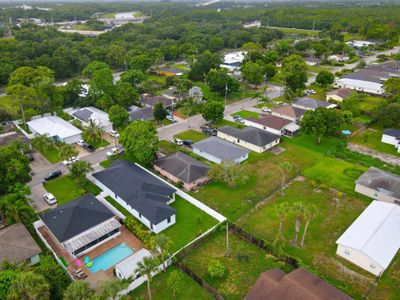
[[216, 269], [140, 231]]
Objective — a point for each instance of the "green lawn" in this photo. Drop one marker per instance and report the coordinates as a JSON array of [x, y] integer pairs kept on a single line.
[[371, 138], [297, 31], [117, 206], [244, 265], [52, 155], [66, 189], [99, 143], [193, 135], [166, 147], [371, 103], [246, 114], [334, 214], [161, 290], [317, 69], [228, 123], [190, 223]]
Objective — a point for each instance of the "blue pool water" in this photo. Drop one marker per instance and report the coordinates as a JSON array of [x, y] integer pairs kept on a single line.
[[110, 257]]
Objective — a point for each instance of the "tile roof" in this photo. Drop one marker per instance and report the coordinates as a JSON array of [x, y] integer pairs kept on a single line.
[[220, 148], [271, 121], [299, 284], [17, 244], [290, 111], [183, 166], [75, 217], [251, 135], [138, 188], [379, 180]]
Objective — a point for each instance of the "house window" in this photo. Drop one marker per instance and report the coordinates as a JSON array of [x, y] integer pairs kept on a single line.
[[264, 128], [376, 195], [116, 197], [169, 220], [347, 251]]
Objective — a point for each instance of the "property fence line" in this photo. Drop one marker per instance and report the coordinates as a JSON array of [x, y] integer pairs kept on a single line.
[[28, 135], [199, 281]]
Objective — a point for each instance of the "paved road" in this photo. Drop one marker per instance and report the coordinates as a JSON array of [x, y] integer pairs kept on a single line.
[[167, 132]]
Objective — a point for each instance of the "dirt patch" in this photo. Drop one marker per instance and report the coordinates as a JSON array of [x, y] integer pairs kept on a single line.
[[387, 158], [277, 150]]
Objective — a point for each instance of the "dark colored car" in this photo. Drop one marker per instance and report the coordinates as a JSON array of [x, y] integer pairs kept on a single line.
[[187, 143], [52, 175], [209, 130], [89, 147]]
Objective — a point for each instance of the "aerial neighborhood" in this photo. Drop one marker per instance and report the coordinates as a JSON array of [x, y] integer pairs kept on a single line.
[[200, 150]]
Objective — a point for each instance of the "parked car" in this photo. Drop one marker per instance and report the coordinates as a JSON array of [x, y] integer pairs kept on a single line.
[[115, 151], [265, 109], [170, 118], [209, 131], [81, 143], [49, 198], [177, 141], [238, 119], [52, 175], [89, 147], [30, 156], [70, 160], [114, 133], [187, 143]]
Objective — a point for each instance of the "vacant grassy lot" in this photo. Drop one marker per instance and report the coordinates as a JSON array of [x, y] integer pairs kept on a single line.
[[52, 155], [246, 114], [161, 291], [371, 138], [66, 189], [229, 123], [190, 223], [244, 265], [371, 103], [193, 135]]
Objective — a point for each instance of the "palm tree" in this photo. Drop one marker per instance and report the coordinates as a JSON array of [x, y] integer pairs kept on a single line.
[[79, 169], [283, 210], [67, 151], [78, 290], [30, 286], [14, 208], [298, 209], [111, 288], [162, 242], [309, 214], [145, 268], [92, 132], [285, 168]]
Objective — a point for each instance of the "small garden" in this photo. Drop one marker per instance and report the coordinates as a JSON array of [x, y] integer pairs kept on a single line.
[[66, 188]]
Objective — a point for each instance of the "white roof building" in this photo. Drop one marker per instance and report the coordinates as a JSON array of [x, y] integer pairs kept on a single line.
[[56, 128], [127, 267], [98, 116], [373, 239], [233, 60], [359, 44]]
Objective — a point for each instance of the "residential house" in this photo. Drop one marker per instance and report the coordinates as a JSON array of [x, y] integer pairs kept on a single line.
[[151, 101], [251, 24], [233, 60], [180, 167], [392, 137], [17, 245], [289, 112], [312, 61], [140, 114], [140, 192], [274, 124], [251, 138], [97, 116], [312, 104], [56, 128], [169, 71], [380, 185], [339, 57], [299, 284], [360, 44], [81, 225], [218, 150], [338, 95], [373, 239]]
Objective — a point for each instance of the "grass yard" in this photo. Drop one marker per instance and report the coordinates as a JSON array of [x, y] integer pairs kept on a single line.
[[66, 189], [161, 291], [190, 223], [193, 135], [317, 69], [224, 122], [52, 155], [246, 114], [244, 265], [117, 206], [371, 103], [371, 138], [99, 143], [167, 147], [334, 215]]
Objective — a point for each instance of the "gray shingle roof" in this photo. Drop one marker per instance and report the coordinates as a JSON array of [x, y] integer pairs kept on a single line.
[[379, 180], [311, 103], [83, 114], [138, 188], [251, 135], [153, 100], [183, 166], [75, 217], [392, 132], [17, 244], [221, 149], [145, 113], [367, 74]]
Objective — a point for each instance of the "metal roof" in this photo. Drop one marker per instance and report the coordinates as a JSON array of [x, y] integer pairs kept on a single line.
[[54, 126], [220, 148]]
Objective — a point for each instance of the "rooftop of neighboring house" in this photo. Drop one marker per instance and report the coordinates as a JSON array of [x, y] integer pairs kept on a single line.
[[86, 114], [139, 188], [312, 103], [251, 135], [290, 111], [271, 121], [153, 100], [392, 132], [299, 284], [220, 148], [183, 166], [54, 126], [382, 181], [172, 70], [376, 72], [17, 244], [343, 93], [144, 113]]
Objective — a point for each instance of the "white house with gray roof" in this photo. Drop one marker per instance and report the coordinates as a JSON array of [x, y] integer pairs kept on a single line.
[[380, 185], [218, 150], [140, 192], [251, 138], [87, 114], [392, 137]]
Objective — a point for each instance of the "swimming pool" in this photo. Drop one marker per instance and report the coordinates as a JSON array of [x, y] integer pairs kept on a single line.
[[110, 257]]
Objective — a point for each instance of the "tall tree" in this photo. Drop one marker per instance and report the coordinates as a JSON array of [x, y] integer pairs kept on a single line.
[[110, 288], [203, 64], [176, 282], [220, 82], [92, 132], [79, 169], [232, 174], [325, 78], [125, 95], [159, 112], [253, 73], [118, 116], [213, 112], [67, 151], [294, 70], [14, 208], [140, 139], [133, 77], [28, 285], [42, 143], [162, 244], [285, 168], [79, 290], [146, 268], [283, 210], [309, 214]]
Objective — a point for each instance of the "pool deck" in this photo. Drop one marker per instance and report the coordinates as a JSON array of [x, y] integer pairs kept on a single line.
[[95, 279]]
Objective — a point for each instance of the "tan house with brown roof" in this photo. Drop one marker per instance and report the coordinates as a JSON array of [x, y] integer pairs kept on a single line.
[[289, 112], [274, 124], [338, 95], [299, 284]]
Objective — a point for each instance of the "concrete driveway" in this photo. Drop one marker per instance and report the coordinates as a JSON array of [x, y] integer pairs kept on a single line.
[[39, 163], [38, 202]]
